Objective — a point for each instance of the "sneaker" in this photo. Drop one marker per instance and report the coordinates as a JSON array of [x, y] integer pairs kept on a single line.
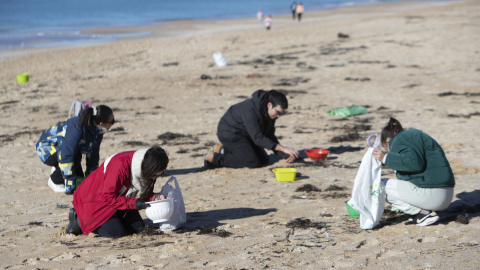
[[56, 187], [208, 162], [427, 219], [73, 224]]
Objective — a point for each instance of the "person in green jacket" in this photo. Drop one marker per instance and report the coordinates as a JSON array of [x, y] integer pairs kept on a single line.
[[425, 179]]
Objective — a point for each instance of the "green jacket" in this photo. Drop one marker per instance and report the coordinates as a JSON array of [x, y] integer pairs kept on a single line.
[[419, 159]]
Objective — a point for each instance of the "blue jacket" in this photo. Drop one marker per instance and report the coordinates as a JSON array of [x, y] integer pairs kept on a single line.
[[67, 138], [419, 159]]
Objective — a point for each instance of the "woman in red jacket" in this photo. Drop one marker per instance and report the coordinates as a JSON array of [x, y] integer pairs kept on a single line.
[[108, 201]]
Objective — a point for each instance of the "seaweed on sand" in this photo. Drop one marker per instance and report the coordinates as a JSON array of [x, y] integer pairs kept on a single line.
[[335, 188], [336, 195], [149, 231], [308, 188], [354, 136], [213, 231], [305, 223], [135, 143], [178, 138]]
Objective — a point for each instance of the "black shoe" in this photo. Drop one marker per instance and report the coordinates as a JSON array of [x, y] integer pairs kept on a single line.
[[207, 165], [411, 220], [73, 224]]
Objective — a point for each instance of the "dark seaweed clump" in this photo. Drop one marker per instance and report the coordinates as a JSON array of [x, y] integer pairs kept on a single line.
[[354, 136], [336, 195], [335, 188], [178, 138], [213, 231], [148, 231], [135, 143], [308, 188], [35, 223], [171, 136], [305, 223]]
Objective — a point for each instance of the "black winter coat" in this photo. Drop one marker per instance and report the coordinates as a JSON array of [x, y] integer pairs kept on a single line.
[[249, 119]]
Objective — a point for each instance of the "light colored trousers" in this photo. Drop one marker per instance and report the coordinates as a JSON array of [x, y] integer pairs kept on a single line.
[[410, 199]]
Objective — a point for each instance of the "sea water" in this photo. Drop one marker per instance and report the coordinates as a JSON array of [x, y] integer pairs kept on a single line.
[[34, 23]]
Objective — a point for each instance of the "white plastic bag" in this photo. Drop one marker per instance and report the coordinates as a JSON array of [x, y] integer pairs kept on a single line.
[[219, 60], [368, 195], [179, 216], [77, 107]]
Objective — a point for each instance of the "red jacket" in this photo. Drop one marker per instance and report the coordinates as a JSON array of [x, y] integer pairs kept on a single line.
[[103, 192]]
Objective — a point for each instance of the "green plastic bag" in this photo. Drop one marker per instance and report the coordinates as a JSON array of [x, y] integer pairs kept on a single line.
[[348, 111]]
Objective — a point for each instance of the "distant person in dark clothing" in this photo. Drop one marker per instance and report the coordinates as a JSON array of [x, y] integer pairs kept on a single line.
[[293, 8], [247, 129]]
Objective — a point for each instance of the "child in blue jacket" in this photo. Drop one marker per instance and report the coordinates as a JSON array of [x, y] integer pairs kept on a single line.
[[62, 146]]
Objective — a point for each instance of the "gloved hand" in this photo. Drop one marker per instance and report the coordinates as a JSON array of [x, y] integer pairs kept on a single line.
[[141, 204]]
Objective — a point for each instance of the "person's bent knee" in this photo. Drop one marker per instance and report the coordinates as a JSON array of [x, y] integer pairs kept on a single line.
[[254, 163], [109, 232]]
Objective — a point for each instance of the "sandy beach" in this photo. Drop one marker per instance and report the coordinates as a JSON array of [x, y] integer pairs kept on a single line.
[[416, 61]]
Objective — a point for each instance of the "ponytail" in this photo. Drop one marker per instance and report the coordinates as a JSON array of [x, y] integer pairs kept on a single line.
[[391, 129], [92, 116], [86, 118]]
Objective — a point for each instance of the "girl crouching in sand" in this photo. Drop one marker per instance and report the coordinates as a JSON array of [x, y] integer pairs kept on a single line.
[[62, 146], [108, 201], [425, 180]]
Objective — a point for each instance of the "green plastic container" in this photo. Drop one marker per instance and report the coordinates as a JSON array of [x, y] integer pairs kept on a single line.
[[23, 78], [352, 212]]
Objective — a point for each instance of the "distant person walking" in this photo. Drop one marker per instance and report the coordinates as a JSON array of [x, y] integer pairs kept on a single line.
[[260, 16], [268, 22], [299, 10], [293, 8]]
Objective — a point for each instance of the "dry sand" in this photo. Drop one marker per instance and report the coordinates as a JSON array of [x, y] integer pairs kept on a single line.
[[397, 61]]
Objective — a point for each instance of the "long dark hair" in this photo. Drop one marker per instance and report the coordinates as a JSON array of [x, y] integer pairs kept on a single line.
[[391, 129], [88, 117], [154, 161]]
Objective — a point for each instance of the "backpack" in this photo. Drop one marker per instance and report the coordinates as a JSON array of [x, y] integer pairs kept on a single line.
[[78, 107]]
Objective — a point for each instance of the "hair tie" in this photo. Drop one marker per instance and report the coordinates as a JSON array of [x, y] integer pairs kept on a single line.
[[94, 111]]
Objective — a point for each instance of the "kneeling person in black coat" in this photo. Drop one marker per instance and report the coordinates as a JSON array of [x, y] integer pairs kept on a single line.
[[247, 129]]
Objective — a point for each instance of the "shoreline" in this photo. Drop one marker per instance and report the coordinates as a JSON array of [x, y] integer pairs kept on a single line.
[[190, 28]]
